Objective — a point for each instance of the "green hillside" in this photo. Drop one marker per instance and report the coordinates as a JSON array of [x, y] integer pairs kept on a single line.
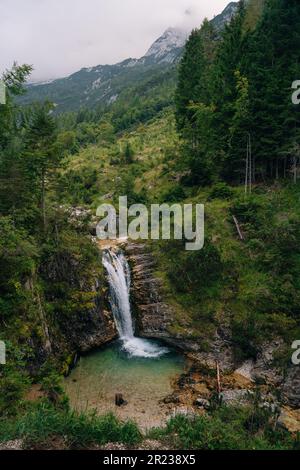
[[218, 129]]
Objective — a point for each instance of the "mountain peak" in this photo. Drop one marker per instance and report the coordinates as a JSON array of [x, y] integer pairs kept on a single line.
[[225, 17], [102, 84], [164, 47]]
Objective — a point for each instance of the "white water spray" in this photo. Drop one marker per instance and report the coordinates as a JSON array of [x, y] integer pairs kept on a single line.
[[118, 272]]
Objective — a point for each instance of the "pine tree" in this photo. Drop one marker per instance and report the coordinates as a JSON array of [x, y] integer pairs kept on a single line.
[[42, 154], [12, 183], [129, 153], [225, 94], [272, 67], [193, 110], [189, 79]]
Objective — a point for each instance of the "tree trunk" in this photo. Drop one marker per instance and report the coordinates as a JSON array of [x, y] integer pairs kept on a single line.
[[295, 170], [43, 200], [119, 400]]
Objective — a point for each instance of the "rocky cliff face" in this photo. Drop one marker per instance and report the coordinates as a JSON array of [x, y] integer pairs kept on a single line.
[[153, 316], [225, 17], [74, 314], [291, 387], [91, 328]]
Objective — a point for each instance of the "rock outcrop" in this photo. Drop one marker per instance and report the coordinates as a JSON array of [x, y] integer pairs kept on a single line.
[[85, 329], [77, 324], [291, 387]]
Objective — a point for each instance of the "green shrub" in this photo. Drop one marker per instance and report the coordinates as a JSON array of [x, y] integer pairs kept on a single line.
[[78, 187], [194, 271], [174, 194], [246, 210], [14, 381], [220, 191]]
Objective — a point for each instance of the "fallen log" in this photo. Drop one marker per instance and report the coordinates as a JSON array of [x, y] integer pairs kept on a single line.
[[238, 228]]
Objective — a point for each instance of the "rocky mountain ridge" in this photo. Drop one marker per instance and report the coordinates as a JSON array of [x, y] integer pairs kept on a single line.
[[102, 85]]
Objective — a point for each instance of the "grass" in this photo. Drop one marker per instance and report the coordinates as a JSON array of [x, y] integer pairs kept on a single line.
[[225, 429], [43, 422], [248, 428], [152, 144]]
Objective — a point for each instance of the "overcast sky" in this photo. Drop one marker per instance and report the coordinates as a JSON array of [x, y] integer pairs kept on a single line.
[[59, 37]]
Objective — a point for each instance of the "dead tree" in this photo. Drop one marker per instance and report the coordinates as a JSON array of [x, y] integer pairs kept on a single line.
[[249, 166]]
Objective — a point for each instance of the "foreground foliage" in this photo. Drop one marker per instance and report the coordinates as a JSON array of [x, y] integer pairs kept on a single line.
[[227, 428], [44, 424]]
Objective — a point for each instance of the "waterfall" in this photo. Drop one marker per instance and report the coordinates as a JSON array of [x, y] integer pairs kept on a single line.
[[118, 273]]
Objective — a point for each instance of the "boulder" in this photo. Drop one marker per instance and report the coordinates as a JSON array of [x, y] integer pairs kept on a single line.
[[291, 387], [202, 403], [289, 419]]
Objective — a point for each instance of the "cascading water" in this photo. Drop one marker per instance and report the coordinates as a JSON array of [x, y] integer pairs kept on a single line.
[[118, 272]]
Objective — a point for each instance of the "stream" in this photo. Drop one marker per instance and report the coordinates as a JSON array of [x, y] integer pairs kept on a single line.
[[142, 370]]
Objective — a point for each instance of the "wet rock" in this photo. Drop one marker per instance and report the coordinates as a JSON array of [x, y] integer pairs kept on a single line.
[[82, 329], [202, 403], [173, 398], [235, 397], [245, 372], [153, 314], [291, 387], [264, 370]]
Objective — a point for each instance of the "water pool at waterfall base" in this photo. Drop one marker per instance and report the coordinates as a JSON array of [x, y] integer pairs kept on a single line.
[[143, 381], [143, 371]]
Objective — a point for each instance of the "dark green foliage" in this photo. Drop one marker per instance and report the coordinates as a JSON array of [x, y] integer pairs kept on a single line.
[[243, 92], [173, 195], [49, 267], [220, 191], [128, 153], [14, 381], [273, 66], [195, 271], [18, 260], [189, 79], [193, 111], [77, 187]]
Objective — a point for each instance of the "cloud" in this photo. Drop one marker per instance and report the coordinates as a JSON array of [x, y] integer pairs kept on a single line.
[[60, 36]]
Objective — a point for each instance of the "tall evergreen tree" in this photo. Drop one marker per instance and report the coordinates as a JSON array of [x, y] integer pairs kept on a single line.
[[193, 100], [225, 93], [42, 154], [273, 65]]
